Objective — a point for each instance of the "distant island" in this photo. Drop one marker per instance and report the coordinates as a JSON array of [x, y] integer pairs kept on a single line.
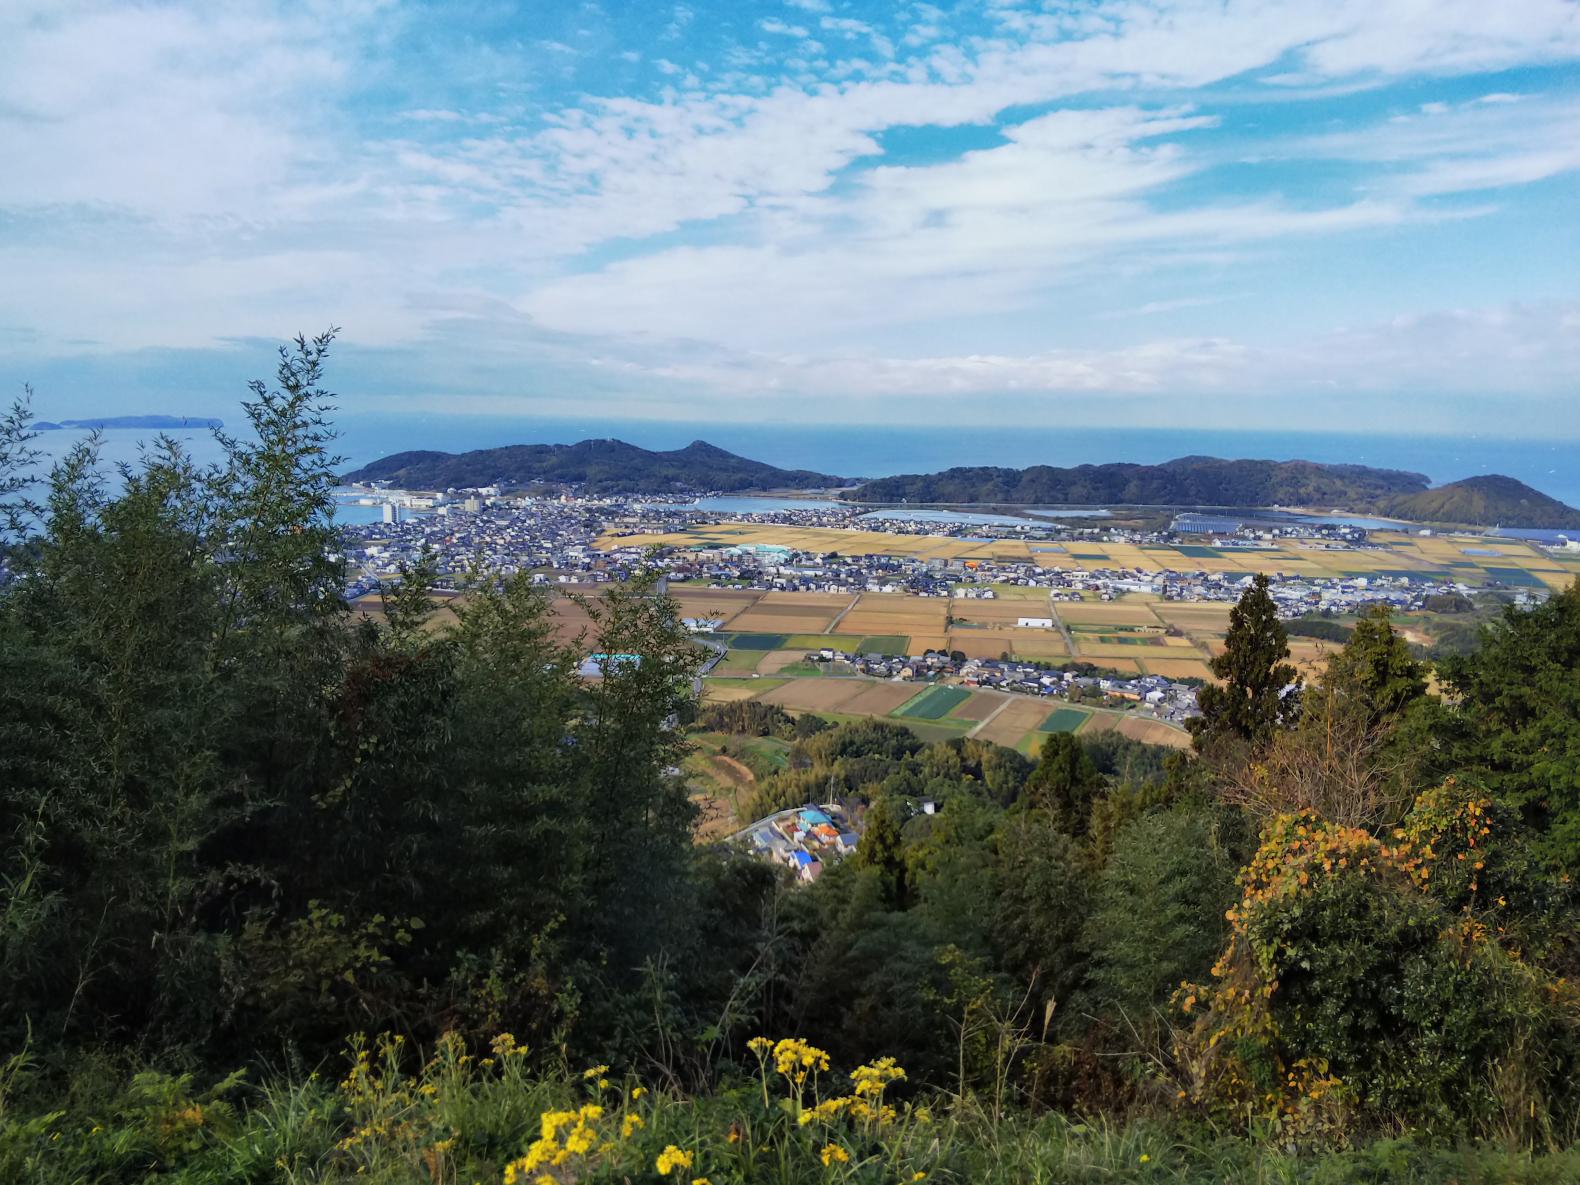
[[598, 466], [1209, 481], [128, 422], [615, 467]]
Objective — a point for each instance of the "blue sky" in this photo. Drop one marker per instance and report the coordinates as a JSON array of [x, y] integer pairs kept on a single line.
[[1353, 213]]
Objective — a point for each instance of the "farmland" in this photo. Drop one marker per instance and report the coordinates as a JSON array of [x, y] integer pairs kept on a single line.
[[1473, 559]]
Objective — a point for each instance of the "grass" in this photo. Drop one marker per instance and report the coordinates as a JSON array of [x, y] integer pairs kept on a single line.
[[772, 753], [802, 670], [1063, 720], [740, 661], [398, 1122], [939, 730], [933, 704]]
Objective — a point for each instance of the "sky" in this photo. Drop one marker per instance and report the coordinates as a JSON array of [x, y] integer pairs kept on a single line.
[[1208, 213]]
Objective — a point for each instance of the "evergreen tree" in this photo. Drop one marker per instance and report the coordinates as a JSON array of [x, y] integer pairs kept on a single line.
[[1376, 668], [1064, 783], [1252, 701], [1516, 722]]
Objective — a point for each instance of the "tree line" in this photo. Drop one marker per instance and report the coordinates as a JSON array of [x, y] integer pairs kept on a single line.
[[241, 823]]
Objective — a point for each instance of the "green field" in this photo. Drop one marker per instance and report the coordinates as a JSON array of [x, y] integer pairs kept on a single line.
[[845, 643], [765, 755], [897, 645], [1514, 577], [933, 704], [736, 662], [1063, 720], [756, 641], [759, 685], [939, 730]]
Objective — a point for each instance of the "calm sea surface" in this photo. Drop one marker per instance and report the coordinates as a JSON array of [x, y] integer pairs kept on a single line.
[[856, 451]]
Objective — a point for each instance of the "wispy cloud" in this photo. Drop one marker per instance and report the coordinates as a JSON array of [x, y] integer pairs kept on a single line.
[[933, 199]]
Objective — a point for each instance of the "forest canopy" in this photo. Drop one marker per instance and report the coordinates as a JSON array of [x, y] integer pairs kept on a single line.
[[247, 832]]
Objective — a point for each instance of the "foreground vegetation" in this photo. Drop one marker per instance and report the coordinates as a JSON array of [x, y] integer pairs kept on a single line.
[[292, 897]]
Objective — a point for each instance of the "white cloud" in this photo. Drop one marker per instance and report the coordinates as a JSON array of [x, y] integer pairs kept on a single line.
[[1531, 348], [183, 174], [777, 26]]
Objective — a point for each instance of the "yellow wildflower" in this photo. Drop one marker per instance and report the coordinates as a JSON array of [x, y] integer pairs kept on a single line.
[[832, 1153], [1145, 1158], [594, 1072], [637, 1092], [552, 1121], [672, 1158], [629, 1124]]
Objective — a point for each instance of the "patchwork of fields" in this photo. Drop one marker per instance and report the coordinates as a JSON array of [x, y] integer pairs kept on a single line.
[[937, 712], [1476, 560], [768, 632]]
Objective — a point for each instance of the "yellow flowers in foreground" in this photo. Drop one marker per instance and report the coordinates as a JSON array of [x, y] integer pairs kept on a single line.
[[672, 1158], [623, 1131], [581, 1135]]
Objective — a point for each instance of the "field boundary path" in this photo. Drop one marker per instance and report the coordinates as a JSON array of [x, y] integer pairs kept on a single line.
[[833, 626], [1064, 630], [992, 716]]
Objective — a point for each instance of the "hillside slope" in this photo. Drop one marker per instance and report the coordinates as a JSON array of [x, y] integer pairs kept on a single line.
[[1187, 481], [599, 466], [1487, 501]]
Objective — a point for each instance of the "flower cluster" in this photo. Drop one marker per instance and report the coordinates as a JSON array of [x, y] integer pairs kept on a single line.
[[549, 1150]]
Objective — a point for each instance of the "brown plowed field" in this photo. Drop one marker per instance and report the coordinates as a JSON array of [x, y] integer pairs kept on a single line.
[[879, 699], [978, 643], [980, 706], [816, 695], [1105, 613], [1179, 668], [1153, 732], [777, 660], [1015, 722]]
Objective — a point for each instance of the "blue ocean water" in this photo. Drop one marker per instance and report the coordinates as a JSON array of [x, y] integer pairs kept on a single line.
[[1552, 466]]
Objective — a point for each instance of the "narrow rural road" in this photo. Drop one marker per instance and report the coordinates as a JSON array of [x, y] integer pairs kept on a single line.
[[992, 716], [1069, 639], [833, 626]]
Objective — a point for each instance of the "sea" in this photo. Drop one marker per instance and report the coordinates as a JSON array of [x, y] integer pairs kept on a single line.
[[1551, 466]]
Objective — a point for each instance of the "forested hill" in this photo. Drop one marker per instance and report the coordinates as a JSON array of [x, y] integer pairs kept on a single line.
[[1209, 481], [1187, 481], [1486, 501], [600, 466]]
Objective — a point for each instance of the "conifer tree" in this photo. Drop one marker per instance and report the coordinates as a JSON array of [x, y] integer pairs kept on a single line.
[[1064, 783], [1252, 701]]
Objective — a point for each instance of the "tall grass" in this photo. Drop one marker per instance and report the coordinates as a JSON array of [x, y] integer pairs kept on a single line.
[[459, 1117]]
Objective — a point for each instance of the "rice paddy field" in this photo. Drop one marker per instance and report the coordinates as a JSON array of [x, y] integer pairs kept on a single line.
[[769, 633], [1474, 559]]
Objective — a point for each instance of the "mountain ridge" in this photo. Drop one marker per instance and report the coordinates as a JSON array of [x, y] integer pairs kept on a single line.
[[600, 465]]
